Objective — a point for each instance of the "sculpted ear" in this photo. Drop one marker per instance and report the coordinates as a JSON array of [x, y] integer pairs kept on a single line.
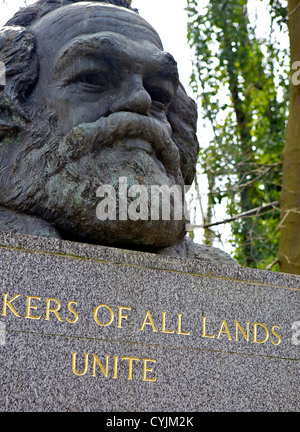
[[20, 66], [182, 116]]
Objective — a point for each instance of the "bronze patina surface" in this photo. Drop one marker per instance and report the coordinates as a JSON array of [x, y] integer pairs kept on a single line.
[[90, 97]]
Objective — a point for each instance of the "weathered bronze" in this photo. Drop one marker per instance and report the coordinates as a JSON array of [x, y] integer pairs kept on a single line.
[[90, 97]]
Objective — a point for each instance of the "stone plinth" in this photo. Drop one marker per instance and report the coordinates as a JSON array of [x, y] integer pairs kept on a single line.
[[90, 328]]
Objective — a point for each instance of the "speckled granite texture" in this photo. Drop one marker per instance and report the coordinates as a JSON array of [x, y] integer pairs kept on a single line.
[[147, 332]]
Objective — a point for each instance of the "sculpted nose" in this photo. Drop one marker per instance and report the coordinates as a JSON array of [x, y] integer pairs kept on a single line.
[[134, 98]]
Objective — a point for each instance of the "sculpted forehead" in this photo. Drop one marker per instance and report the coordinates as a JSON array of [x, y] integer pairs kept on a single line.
[[57, 28]]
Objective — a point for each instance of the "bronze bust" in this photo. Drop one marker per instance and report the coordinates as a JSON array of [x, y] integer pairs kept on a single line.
[[90, 97]]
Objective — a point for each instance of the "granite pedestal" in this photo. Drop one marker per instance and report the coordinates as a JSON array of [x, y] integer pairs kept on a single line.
[[90, 328]]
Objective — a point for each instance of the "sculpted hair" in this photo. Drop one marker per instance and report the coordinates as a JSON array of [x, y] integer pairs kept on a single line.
[[29, 14], [18, 53]]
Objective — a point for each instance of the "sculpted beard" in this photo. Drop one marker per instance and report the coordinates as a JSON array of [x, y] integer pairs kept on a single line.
[[56, 177]]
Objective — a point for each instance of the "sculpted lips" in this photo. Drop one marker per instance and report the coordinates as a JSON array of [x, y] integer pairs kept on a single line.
[[136, 144], [131, 130]]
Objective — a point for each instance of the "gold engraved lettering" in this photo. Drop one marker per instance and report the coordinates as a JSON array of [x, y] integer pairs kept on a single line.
[[164, 324], [145, 370], [150, 322], [148, 368], [239, 327], [86, 360], [131, 360], [180, 332], [204, 329], [95, 314], [96, 360], [224, 324], [255, 325], [120, 316], [8, 303], [73, 312], [30, 306], [53, 310], [275, 334], [116, 360]]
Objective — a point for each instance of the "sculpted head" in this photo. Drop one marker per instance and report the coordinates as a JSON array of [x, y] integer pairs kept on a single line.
[[90, 97]]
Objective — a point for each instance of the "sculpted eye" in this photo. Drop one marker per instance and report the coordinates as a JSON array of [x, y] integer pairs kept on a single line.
[[160, 91], [157, 95], [93, 81]]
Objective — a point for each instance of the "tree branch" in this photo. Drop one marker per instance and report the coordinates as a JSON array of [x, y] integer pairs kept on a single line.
[[248, 213], [293, 11], [276, 261]]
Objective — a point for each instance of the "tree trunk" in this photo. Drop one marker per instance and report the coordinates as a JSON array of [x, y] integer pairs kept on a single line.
[[289, 249]]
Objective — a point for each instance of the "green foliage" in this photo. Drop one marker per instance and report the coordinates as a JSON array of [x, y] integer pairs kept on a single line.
[[241, 81]]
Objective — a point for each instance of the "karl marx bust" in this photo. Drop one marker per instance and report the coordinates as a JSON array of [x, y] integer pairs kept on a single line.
[[90, 97]]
